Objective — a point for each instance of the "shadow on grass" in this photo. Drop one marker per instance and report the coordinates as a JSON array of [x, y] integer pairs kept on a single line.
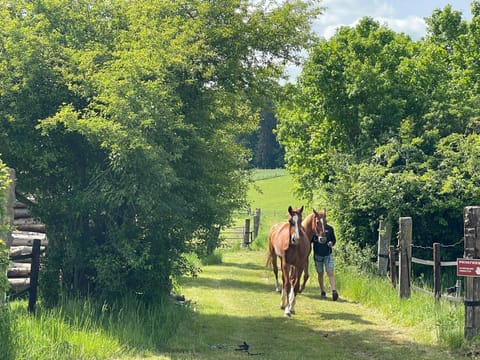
[[220, 337], [226, 283], [353, 318], [247, 266]]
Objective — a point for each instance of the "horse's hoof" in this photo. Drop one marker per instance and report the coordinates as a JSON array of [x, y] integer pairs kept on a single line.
[[282, 307], [288, 315]]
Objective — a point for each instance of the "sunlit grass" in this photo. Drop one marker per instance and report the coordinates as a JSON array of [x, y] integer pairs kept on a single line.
[[435, 323], [84, 329], [262, 174]]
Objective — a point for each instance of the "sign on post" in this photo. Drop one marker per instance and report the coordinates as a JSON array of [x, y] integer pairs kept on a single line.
[[468, 267]]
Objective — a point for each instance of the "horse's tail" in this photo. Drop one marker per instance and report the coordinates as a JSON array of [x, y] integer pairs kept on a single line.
[[271, 251], [270, 257]]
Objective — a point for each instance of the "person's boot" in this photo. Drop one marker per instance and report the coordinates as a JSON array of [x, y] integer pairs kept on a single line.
[[323, 294], [334, 295]]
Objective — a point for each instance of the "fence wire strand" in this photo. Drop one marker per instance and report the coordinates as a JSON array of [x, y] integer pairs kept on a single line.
[[441, 245]]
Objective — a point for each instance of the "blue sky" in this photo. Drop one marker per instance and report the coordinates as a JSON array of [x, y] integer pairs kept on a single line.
[[399, 15]]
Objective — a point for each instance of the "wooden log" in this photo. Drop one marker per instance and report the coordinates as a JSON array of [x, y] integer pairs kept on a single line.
[[19, 284], [26, 238], [38, 228], [28, 224], [21, 213], [18, 270], [19, 204], [20, 250], [23, 254]]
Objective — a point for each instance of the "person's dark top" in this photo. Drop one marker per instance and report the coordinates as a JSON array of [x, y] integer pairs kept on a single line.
[[320, 249]]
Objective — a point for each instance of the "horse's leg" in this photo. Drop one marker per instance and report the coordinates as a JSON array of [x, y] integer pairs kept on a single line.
[[273, 259], [289, 309], [305, 277], [285, 285], [275, 272], [296, 277]]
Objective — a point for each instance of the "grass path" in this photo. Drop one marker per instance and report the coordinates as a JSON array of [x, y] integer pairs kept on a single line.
[[235, 302]]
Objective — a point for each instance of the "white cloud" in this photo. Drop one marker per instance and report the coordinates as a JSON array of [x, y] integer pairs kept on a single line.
[[349, 12], [411, 25]]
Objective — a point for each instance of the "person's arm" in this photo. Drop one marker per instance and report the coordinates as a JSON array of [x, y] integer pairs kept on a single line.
[[332, 240]]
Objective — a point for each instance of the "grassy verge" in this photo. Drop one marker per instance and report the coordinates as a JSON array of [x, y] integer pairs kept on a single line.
[[82, 329], [435, 323]]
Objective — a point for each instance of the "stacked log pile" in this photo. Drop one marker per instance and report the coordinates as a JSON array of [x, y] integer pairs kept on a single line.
[[26, 230]]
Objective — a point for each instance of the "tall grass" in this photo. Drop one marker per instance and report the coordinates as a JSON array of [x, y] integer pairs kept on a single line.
[[7, 333], [84, 329], [435, 322]]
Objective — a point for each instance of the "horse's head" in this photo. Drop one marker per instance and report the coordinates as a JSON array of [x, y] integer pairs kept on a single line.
[[295, 220], [319, 224]]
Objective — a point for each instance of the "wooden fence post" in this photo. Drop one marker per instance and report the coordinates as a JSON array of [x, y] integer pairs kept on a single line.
[[458, 287], [437, 279], [34, 275], [405, 255], [471, 215], [384, 238], [256, 222], [393, 267], [246, 233]]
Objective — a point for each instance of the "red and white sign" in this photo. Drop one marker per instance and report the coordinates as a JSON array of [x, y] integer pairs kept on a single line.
[[468, 267]]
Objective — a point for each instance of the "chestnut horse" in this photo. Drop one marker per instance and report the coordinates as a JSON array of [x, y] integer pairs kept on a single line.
[[314, 224], [289, 242]]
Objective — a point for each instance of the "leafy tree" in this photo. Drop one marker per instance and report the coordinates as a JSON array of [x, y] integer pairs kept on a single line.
[[391, 131], [121, 119], [349, 99]]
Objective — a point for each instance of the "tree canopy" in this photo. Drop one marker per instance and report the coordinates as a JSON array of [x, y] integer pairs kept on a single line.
[[122, 119], [389, 126]]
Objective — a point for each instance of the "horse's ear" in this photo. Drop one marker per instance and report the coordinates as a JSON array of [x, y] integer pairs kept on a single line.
[[290, 210], [301, 209]]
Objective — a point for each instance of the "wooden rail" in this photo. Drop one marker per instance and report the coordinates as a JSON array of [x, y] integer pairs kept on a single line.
[[471, 243]]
